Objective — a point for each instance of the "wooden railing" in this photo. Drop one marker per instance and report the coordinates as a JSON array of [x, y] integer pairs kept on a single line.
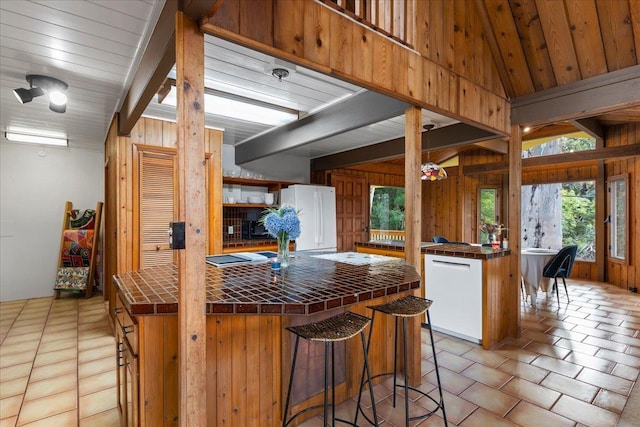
[[392, 18], [386, 235]]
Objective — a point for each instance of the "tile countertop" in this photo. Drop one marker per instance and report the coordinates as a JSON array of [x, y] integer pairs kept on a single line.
[[309, 285], [446, 249]]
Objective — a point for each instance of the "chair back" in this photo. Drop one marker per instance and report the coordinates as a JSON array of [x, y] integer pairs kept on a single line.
[[440, 239], [564, 259]]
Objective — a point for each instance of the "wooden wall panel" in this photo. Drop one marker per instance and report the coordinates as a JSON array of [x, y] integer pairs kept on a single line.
[[382, 62], [121, 251], [626, 274]]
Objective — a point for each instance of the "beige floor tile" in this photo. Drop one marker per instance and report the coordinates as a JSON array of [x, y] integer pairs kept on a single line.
[[65, 419], [531, 392], [96, 342], [606, 381], [60, 335], [457, 408], [524, 371], [584, 413], [483, 418], [556, 365], [487, 358], [15, 371], [16, 358], [527, 414], [610, 401], [548, 349], [63, 319], [100, 401], [578, 389], [96, 366], [13, 387], [490, 399], [57, 345], [454, 346], [452, 362], [49, 371], [626, 372], [110, 418], [26, 329], [50, 386], [10, 407], [592, 362], [625, 359], [14, 339], [489, 376], [9, 422], [593, 332], [21, 347], [55, 357], [576, 346], [451, 381], [96, 353], [98, 382], [59, 327], [38, 409]]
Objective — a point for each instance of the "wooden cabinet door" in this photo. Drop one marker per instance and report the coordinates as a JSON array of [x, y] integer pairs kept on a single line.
[[352, 214], [156, 206]]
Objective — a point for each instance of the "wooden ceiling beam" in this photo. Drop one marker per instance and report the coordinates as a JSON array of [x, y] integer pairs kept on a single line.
[[444, 137], [590, 126], [584, 98], [496, 145], [355, 112], [158, 59], [570, 160]]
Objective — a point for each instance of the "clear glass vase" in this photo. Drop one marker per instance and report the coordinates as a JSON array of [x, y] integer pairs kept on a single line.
[[283, 251]]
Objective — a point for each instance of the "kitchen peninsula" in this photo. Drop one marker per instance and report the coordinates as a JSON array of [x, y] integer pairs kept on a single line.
[[469, 286], [248, 350]]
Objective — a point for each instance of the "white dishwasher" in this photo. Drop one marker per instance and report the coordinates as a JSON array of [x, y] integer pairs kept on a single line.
[[455, 286]]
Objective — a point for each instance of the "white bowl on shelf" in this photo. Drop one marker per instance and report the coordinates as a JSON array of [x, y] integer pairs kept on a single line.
[[255, 199]]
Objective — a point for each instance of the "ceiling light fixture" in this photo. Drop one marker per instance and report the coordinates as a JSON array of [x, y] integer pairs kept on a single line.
[[38, 84], [237, 107], [36, 139], [280, 73], [431, 171]]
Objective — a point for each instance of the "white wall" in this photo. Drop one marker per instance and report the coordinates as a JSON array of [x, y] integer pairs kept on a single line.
[[33, 191], [279, 167]]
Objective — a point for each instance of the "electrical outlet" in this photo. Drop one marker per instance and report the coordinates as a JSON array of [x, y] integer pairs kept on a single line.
[[230, 229]]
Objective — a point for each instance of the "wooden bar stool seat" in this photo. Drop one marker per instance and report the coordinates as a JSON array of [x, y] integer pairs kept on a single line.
[[404, 308], [340, 327]]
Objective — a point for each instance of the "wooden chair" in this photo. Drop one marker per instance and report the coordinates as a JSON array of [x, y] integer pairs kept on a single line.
[[77, 273], [560, 266]]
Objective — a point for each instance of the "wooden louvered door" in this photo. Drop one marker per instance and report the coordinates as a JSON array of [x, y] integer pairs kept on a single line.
[[156, 205]]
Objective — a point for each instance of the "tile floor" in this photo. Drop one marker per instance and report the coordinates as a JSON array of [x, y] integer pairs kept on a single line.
[[57, 364], [573, 366]]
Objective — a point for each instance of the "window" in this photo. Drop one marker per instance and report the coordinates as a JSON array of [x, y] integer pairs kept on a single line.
[[618, 217], [558, 145], [489, 212], [386, 217], [560, 214]]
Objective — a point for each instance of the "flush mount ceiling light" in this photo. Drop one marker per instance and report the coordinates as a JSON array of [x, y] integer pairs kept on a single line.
[[30, 138], [38, 84], [280, 73], [431, 171]]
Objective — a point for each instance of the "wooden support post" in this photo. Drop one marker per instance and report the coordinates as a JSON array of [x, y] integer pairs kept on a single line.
[[191, 210], [513, 224], [413, 231]]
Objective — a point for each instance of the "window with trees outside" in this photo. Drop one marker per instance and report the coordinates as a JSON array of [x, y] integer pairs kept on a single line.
[[386, 216], [560, 214], [618, 217]]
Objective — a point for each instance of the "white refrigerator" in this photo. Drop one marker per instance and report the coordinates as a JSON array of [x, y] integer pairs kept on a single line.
[[317, 206]]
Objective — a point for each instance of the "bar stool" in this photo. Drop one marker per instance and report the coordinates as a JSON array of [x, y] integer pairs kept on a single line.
[[340, 327], [405, 307]]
